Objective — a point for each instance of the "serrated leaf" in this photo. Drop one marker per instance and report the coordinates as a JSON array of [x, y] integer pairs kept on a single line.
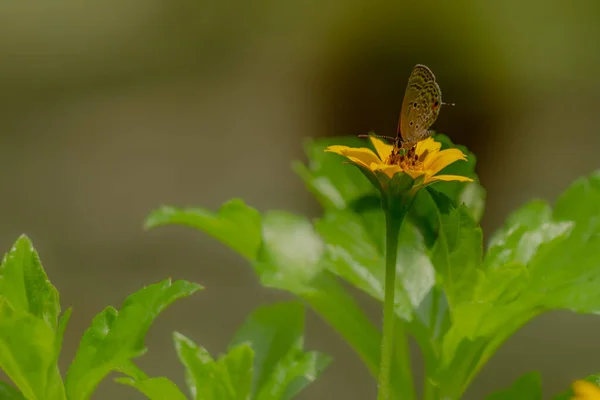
[[26, 350], [154, 388], [157, 388], [527, 387], [540, 260], [290, 259], [114, 338], [228, 378], [30, 339], [567, 273], [198, 365], [60, 331], [235, 369], [292, 374], [281, 367], [24, 283], [271, 331], [524, 232], [236, 224]]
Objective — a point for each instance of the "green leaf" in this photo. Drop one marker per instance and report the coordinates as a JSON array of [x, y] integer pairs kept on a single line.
[[457, 255], [229, 378], [291, 260], [23, 282], [527, 387], [198, 366], [540, 260], [236, 369], [55, 388], [271, 331], [567, 274], [60, 331], [8, 392], [524, 232], [30, 339], [353, 255], [154, 388], [280, 365], [116, 337], [26, 350], [337, 307], [456, 190], [473, 196], [236, 224], [292, 374], [291, 252], [335, 183]]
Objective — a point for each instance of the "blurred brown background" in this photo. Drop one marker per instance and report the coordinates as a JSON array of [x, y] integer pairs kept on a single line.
[[111, 108]]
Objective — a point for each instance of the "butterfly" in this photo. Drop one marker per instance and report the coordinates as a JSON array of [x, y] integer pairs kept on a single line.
[[420, 107]]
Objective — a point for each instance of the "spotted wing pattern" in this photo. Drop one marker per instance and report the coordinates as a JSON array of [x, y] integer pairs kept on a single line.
[[420, 107]]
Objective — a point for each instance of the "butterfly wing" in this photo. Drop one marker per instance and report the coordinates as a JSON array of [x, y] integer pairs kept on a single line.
[[421, 105]]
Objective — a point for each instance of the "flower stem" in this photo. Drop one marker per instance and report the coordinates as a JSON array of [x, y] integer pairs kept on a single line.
[[393, 224]]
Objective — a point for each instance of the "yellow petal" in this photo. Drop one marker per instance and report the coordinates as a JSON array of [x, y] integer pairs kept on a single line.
[[434, 163], [414, 174], [586, 390], [383, 149], [389, 170], [358, 162], [363, 155], [429, 145], [459, 178]]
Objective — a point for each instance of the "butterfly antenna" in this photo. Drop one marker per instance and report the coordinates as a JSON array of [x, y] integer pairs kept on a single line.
[[448, 104], [377, 136]]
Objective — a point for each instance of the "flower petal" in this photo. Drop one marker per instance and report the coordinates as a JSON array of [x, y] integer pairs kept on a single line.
[[428, 145], [586, 390], [383, 149], [358, 162], [446, 178], [389, 170], [414, 174], [360, 155], [436, 162]]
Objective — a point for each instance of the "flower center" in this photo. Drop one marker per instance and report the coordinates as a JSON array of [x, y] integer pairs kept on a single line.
[[406, 159]]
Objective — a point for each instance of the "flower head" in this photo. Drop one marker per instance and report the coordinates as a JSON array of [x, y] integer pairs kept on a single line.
[[422, 161], [584, 390]]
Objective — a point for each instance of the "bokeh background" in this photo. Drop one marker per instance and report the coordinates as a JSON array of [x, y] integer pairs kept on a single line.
[[110, 108]]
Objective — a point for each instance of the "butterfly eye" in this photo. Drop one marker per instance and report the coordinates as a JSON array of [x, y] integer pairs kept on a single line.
[[436, 104]]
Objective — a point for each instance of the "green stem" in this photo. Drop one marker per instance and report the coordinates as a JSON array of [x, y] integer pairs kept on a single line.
[[393, 224], [430, 390]]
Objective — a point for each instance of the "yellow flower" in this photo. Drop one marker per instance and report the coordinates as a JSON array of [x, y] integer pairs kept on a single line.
[[423, 160], [585, 391]]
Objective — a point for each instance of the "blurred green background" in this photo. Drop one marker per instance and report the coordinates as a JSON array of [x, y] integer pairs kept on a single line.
[[111, 108]]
